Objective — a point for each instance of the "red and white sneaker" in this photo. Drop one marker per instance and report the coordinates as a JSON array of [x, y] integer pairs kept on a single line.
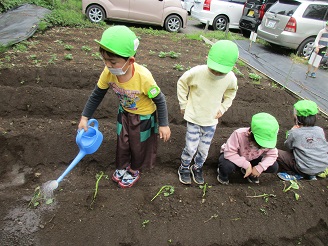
[[118, 175], [129, 179]]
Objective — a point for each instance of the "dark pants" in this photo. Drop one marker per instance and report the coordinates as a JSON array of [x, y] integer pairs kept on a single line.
[[136, 140], [227, 167]]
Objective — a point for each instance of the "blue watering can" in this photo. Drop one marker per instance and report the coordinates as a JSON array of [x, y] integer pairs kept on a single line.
[[88, 142]]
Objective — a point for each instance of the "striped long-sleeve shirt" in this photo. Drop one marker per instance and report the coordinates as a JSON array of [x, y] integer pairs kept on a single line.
[[321, 40]]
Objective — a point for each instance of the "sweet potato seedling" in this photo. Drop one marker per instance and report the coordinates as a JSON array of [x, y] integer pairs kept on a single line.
[[264, 195], [166, 190], [204, 189], [99, 176], [293, 186]]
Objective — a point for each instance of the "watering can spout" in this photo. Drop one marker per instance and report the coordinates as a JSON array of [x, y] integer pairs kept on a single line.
[[88, 141]]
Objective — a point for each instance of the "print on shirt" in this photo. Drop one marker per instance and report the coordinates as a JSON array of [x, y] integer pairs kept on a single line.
[[128, 98]]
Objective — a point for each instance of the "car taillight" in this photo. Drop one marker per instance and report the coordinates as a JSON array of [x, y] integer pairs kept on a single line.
[[291, 25], [207, 5], [262, 11]]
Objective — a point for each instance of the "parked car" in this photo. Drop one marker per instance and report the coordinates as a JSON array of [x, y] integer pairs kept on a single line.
[[253, 13], [166, 13], [294, 24], [188, 5], [218, 13]]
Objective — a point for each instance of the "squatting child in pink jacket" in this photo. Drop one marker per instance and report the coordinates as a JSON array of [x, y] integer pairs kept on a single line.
[[253, 149]]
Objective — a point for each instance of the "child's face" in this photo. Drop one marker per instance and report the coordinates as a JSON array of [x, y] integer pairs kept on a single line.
[[115, 62], [216, 73]]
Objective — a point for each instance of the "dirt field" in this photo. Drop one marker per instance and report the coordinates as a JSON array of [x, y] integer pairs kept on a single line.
[[42, 94]]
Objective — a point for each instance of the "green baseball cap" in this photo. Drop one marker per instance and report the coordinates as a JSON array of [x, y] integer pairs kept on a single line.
[[119, 40], [222, 56], [265, 129], [306, 108]]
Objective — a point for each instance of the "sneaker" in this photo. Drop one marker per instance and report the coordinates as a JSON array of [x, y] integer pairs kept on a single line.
[[313, 75], [323, 174], [222, 180], [118, 175], [251, 178], [311, 177], [197, 174], [287, 177], [129, 179], [184, 175]]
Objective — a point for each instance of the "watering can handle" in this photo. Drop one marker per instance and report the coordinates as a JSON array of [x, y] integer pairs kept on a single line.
[[80, 132]]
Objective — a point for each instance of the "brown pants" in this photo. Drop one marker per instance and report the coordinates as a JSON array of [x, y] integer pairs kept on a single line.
[[287, 162], [136, 140]]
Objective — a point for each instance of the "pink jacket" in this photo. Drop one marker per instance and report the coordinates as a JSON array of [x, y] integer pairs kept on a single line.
[[239, 150]]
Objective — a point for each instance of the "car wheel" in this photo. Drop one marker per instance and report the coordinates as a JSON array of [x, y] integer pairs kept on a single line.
[[95, 13], [306, 47], [220, 23], [173, 23]]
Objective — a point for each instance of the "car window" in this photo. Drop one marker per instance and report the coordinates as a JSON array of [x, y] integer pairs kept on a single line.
[[315, 11], [284, 9], [238, 1]]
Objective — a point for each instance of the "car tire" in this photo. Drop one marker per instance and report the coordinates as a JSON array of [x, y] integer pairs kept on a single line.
[[173, 23], [95, 13], [220, 23], [306, 47]]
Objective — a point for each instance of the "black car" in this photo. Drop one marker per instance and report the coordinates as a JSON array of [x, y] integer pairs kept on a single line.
[[253, 13]]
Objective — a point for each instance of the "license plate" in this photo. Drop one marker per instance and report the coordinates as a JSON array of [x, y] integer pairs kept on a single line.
[[250, 13], [271, 24]]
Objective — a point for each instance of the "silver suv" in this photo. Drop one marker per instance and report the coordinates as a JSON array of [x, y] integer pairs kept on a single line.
[[294, 24]]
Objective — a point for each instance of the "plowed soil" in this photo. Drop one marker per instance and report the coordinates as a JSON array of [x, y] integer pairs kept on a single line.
[[42, 93]]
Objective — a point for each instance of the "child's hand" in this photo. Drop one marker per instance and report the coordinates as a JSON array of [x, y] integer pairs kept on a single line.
[[182, 111], [248, 171], [218, 115], [164, 133], [83, 123], [255, 173]]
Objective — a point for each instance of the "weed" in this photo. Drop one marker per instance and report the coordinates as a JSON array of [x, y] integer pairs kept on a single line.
[[52, 59], [145, 223], [42, 26], [162, 54], [33, 57], [21, 47], [68, 57], [241, 63], [68, 47], [263, 211], [85, 48], [166, 190], [178, 67]]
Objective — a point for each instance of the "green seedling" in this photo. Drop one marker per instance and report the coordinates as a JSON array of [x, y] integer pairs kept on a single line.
[[68, 57], [145, 223], [173, 54], [166, 190], [254, 76], [293, 186], [212, 217], [68, 47], [237, 72], [33, 57], [178, 67], [263, 211], [99, 176], [85, 48], [152, 52], [204, 189], [38, 198], [162, 54], [264, 195], [96, 56]]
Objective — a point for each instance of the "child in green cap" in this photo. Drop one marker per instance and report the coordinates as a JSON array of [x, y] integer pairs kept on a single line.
[[205, 93], [141, 103], [307, 145], [253, 149]]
